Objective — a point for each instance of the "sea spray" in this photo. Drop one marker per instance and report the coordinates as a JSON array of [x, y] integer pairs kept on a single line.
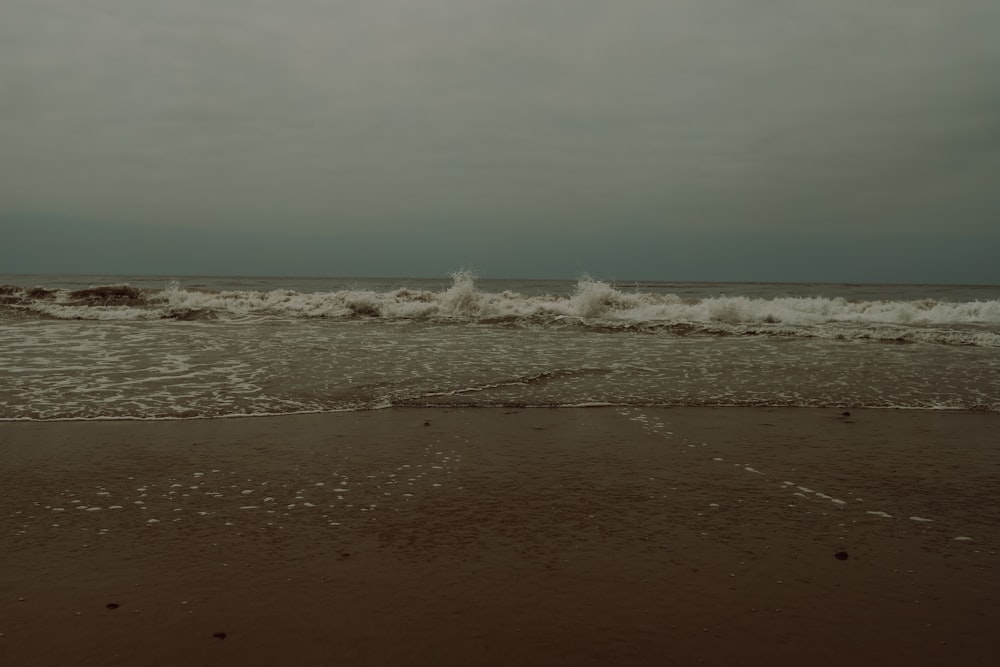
[[590, 304]]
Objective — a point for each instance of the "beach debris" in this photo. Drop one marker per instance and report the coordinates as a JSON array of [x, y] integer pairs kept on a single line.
[[112, 605], [845, 413], [840, 555]]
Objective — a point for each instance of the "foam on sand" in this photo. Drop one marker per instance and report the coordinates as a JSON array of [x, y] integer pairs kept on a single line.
[[534, 511]]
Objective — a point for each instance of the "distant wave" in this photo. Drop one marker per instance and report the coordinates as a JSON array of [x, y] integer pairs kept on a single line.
[[592, 304]]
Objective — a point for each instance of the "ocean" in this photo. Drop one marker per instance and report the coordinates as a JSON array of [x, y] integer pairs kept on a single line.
[[157, 347]]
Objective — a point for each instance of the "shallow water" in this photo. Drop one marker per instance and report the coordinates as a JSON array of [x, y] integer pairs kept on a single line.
[[127, 349]]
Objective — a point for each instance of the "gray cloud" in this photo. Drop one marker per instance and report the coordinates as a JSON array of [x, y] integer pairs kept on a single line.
[[868, 117]]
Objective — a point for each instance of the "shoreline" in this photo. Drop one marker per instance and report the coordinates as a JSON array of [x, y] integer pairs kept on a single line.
[[597, 535], [459, 406]]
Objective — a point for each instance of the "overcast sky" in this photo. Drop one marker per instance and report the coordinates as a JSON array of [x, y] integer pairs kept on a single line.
[[851, 140]]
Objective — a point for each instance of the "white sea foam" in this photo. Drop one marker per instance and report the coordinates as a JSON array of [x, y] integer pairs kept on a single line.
[[835, 501], [287, 352], [592, 303]]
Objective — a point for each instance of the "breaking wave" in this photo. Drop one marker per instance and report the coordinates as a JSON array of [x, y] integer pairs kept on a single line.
[[593, 304]]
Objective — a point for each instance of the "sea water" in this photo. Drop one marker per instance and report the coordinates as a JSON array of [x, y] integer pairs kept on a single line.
[[146, 347]]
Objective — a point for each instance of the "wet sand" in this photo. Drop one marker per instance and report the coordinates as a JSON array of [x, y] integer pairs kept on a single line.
[[495, 537]]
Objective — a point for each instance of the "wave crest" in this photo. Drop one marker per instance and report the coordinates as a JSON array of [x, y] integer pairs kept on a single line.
[[592, 303]]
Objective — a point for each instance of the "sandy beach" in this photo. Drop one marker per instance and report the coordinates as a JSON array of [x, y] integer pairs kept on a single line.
[[601, 536]]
